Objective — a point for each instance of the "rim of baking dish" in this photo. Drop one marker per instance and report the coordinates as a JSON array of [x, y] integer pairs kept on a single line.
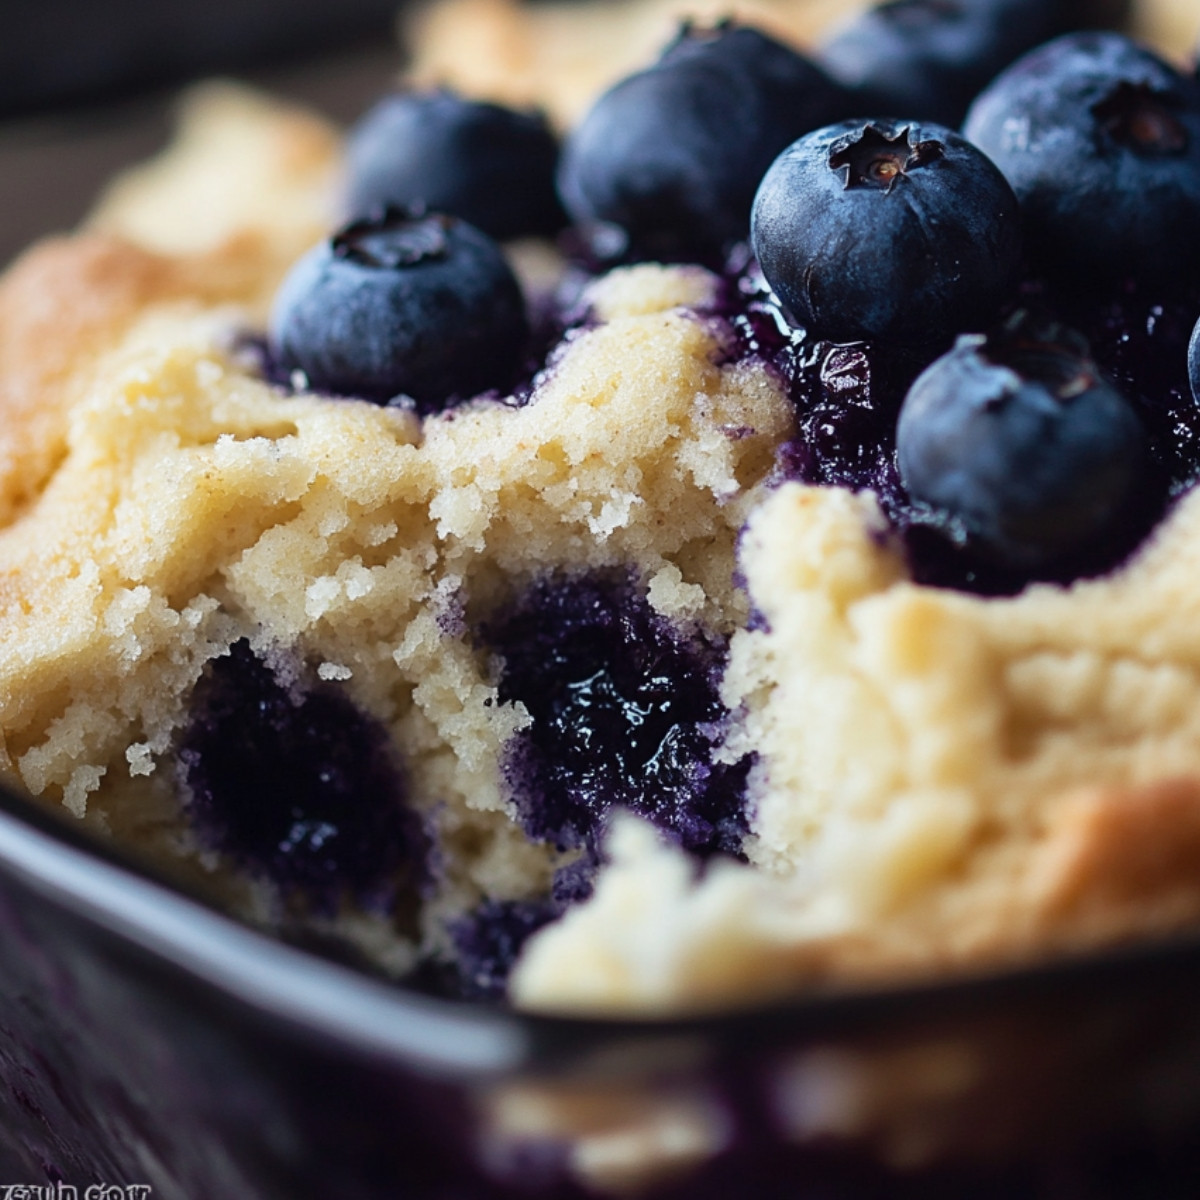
[[110, 891]]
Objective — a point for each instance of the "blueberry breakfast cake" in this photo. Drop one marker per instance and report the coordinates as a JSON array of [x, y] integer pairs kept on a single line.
[[647, 554]]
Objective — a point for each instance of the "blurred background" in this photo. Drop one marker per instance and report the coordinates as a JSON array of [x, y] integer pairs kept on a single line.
[[87, 86]]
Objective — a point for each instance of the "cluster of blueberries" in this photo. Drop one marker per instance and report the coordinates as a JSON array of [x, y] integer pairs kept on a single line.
[[1078, 161]]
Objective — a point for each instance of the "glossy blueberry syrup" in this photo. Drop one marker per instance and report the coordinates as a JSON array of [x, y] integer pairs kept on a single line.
[[1140, 338], [296, 784], [847, 399], [625, 714]]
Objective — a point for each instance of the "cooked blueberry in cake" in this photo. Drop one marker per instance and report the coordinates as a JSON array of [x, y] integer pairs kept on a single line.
[[489, 165], [488, 940], [1100, 139], [290, 779], [889, 230], [1017, 438], [625, 713], [930, 58], [672, 155], [401, 305]]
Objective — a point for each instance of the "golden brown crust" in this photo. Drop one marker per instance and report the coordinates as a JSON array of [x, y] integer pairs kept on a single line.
[[62, 303], [1118, 859], [65, 303]]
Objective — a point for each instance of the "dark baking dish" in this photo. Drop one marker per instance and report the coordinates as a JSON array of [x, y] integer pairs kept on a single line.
[[146, 1039]]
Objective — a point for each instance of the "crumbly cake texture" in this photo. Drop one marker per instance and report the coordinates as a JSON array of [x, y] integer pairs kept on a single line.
[[185, 505], [942, 781]]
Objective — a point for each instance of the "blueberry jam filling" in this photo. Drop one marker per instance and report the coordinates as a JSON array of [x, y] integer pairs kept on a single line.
[[625, 714], [300, 787], [848, 397]]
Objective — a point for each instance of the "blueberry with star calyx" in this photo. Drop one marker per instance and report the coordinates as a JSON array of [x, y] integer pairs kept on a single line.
[[888, 231], [1021, 444], [672, 155], [400, 305], [489, 165], [1100, 139]]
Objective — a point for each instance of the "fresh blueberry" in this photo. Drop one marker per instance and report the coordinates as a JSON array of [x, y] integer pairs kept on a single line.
[[930, 58], [672, 155], [424, 307], [1100, 139], [489, 165], [293, 781], [1021, 444], [887, 230]]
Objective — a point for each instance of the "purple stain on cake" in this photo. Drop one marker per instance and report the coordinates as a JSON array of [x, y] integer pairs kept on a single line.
[[296, 784], [625, 714], [847, 398], [488, 941]]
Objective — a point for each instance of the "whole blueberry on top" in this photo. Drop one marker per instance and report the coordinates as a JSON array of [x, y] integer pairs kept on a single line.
[[1020, 442], [489, 165], [424, 307], [886, 230], [1100, 139], [672, 155], [930, 58]]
